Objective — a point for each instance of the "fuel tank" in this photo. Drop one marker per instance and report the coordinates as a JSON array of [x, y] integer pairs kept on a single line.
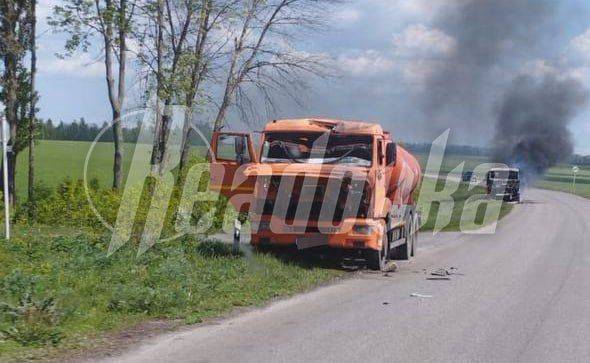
[[404, 178]]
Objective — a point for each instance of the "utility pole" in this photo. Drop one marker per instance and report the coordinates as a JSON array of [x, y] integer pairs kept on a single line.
[[4, 131]]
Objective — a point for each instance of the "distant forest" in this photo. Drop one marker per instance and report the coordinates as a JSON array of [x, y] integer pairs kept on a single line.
[[81, 130]]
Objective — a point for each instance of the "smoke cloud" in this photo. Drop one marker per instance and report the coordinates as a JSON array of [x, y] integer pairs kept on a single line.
[[491, 36], [533, 118], [494, 40]]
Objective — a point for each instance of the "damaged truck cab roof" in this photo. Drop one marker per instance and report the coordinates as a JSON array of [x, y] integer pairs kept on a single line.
[[324, 125]]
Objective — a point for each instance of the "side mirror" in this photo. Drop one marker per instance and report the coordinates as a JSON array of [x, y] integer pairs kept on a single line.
[[391, 154]]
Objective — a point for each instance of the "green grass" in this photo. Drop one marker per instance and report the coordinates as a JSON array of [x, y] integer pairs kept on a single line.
[[454, 213], [58, 160], [450, 162], [94, 293], [560, 178]]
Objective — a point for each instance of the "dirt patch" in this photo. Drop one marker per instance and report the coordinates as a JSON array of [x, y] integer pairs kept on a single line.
[[115, 343]]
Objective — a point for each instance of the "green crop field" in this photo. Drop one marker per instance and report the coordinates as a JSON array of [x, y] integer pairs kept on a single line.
[[560, 178], [60, 160], [452, 161]]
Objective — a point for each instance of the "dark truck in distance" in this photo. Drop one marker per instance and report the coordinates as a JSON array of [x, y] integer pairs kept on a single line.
[[504, 183]]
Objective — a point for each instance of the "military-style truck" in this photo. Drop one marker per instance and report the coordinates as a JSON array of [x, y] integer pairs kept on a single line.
[[504, 183], [319, 182]]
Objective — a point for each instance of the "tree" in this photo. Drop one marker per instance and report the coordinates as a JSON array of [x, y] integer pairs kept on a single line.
[[163, 41], [262, 57], [14, 42], [33, 104], [198, 62], [111, 22]]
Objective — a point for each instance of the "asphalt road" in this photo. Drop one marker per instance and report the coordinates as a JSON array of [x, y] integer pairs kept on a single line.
[[522, 295]]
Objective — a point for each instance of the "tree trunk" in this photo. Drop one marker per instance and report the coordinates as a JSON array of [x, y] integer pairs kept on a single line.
[[219, 120], [198, 70], [186, 134], [117, 111], [118, 143], [12, 119], [155, 159], [32, 110]]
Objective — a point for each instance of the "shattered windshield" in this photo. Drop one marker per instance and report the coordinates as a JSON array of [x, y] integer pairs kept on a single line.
[[504, 175], [317, 148]]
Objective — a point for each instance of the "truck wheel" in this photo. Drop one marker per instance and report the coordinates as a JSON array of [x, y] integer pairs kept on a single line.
[[377, 260], [404, 251], [415, 238]]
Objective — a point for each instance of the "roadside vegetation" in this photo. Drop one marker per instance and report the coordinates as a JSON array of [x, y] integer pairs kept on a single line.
[[455, 209], [560, 178], [59, 291]]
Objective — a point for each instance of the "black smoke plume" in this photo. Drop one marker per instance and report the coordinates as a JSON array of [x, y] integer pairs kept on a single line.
[[495, 39], [490, 35], [533, 118]]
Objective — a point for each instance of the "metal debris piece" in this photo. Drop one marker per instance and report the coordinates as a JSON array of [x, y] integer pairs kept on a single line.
[[385, 303], [415, 294], [390, 267], [438, 278], [444, 272], [440, 272]]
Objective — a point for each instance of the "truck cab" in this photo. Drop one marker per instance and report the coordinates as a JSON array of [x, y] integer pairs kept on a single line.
[[322, 183], [504, 183]]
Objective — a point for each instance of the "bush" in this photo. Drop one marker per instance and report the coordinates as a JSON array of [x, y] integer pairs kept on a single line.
[[29, 321], [67, 205]]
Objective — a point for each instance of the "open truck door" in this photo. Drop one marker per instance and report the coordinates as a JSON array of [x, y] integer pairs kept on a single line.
[[231, 154]]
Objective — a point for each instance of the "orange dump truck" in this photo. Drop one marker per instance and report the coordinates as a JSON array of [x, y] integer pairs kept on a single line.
[[318, 182]]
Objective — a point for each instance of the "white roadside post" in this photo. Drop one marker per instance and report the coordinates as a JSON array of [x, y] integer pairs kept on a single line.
[[4, 131], [575, 171]]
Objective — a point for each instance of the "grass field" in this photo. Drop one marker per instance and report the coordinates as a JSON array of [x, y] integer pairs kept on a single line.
[[58, 160], [465, 210], [560, 178], [450, 162]]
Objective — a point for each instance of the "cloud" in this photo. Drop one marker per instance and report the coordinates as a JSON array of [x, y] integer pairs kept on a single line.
[[365, 63], [420, 41], [347, 15], [578, 48], [76, 66]]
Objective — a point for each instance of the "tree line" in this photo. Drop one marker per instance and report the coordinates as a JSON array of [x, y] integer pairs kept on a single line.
[[213, 56], [80, 130]]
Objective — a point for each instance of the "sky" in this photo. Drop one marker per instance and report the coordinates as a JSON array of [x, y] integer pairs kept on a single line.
[[384, 52]]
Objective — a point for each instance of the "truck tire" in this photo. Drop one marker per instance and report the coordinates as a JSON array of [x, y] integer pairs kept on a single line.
[[403, 252], [415, 237], [377, 260]]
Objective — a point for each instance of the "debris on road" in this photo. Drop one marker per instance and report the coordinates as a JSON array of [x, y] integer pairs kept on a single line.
[[390, 267], [441, 273], [424, 296]]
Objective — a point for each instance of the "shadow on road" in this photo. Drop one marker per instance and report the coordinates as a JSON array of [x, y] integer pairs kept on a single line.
[[322, 257]]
